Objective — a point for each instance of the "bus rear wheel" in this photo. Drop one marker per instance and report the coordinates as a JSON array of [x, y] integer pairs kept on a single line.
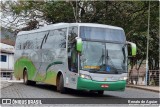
[[60, 85], [25, 79], [100, 92]]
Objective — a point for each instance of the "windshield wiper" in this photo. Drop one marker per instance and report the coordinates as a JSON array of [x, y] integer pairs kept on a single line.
[[108, 58], [101, 58], [123, 50], [93, 70]]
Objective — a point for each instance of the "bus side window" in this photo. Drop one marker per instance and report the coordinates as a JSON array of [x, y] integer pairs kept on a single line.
[[72, 53], [18, 46], [19, 42]]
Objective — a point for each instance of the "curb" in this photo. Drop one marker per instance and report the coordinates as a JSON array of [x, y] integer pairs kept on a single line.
[[143, 88], [11, 81]]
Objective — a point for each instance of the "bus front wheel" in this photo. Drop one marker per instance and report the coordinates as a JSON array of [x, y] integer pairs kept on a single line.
[[60, 85], [100, 92]]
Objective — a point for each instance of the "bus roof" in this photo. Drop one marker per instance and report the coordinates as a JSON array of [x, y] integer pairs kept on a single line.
[[62, 25]]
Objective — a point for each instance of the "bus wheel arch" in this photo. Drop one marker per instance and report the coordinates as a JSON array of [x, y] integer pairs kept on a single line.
[[60, 82]]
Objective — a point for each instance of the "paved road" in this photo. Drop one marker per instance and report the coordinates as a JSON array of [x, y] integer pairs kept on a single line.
[[19, 90]]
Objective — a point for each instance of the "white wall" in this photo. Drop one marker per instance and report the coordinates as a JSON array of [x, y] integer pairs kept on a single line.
[[9, 64], [11, 61]]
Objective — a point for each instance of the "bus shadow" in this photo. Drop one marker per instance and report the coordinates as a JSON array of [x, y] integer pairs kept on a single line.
[[76, 93], [80, 93]]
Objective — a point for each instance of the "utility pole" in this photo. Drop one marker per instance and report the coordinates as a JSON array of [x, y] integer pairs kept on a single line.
[[147, 45]]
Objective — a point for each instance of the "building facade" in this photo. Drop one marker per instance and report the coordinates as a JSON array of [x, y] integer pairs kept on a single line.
[[7, 60]]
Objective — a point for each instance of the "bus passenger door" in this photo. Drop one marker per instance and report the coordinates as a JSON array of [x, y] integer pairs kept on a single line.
[[73, 67], [72, 74]]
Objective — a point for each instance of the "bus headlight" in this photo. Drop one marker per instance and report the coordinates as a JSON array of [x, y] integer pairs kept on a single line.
[[85, 76], [123, 78]]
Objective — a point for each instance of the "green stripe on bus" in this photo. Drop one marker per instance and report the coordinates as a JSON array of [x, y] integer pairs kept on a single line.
[[85, 84], [54, 63]]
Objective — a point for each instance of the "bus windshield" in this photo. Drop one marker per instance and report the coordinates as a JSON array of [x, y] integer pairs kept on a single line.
[[102, 34], [98, 57]]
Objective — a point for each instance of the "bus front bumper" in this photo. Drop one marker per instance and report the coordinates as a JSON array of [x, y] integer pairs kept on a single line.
[[86, 84]]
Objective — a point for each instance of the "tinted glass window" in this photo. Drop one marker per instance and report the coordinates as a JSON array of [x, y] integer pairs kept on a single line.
[[3, 58], [73, 33], [54, 39], [32, 41], [24, 44], [41, 40], [60, 38], [19, 42], [96, 33]]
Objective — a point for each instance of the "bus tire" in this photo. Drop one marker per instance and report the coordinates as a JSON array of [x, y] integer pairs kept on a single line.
[[32, 82], [60, 85], [100, 92], [25, 79]]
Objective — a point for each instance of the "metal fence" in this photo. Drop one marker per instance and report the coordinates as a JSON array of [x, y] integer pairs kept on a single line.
[[138, 77], [153, 77]]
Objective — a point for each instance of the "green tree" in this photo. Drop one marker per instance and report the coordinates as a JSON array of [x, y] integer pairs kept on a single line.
[[130, 15]]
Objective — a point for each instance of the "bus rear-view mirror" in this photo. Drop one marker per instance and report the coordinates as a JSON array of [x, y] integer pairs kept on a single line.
[[79, 44], [132, 49]]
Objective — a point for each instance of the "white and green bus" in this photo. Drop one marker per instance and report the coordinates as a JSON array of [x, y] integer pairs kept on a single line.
[[81, 56]]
